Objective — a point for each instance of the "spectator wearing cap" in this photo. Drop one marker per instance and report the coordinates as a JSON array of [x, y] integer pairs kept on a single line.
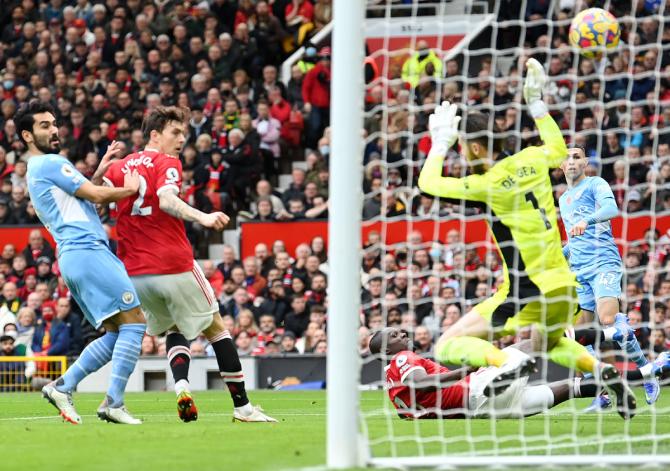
[[82, 29], [316, 96], [12, 372], [288, 343], [37, 247], [634, 201], [44, 273], [198, 124], [308, 60]]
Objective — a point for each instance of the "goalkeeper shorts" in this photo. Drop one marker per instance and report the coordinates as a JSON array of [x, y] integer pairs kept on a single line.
[[553, 311]]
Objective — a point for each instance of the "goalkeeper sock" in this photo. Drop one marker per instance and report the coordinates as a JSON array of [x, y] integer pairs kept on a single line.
[[470, 351], [631, 346], [124, 358], [230, 367], [571, 354], [96, 355], [179, 357]]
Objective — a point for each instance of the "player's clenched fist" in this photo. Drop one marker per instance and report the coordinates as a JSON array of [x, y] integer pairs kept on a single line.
[[578, 229], [216, 221]]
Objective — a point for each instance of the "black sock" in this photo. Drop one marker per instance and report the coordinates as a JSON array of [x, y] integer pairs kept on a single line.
[[586, 388], [589, 336], [179, 355], [230, 367]]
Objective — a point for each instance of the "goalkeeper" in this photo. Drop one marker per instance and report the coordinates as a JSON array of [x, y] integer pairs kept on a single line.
[[538, 286]]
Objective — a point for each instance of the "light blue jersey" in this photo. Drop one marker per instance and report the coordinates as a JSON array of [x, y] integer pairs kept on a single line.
[[95, 276], [74, 222], [590, 200], [593, 256]]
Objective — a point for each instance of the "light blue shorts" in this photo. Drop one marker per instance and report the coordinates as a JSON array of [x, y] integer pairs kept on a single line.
[[602, 282], [98, 282]]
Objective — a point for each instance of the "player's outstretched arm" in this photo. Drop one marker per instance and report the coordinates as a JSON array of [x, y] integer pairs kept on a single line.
[[175, 206], [419, 379], [443, 126], [104, 194], [554, 147]]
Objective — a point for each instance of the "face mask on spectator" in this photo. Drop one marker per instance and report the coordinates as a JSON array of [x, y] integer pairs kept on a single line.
[[8, 84], [325, 150]]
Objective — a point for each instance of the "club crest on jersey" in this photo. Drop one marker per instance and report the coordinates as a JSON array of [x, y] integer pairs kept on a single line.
[[67, 171], [401, 360], [568, 200], [128, 297]]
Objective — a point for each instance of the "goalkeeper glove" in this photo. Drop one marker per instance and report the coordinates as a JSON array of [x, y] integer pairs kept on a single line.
[[532, 88], [443, 126]]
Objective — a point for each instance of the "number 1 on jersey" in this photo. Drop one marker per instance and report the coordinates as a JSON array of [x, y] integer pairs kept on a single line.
[[138, 210], [530, 197]]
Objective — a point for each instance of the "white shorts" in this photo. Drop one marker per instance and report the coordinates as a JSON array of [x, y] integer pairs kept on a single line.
[[185, 300], [503, 406]]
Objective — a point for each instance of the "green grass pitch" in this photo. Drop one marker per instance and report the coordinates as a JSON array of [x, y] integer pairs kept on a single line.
[[34, 437]]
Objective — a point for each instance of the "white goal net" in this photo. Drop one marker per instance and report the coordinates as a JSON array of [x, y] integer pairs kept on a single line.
[[427, 261]]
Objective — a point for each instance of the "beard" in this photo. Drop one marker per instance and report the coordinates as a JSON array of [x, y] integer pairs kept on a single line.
[[46, 145]]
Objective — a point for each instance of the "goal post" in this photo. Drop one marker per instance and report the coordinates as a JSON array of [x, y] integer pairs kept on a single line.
[[344, 234]]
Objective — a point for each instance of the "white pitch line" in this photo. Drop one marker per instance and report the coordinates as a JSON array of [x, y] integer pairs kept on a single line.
[[210, 414]]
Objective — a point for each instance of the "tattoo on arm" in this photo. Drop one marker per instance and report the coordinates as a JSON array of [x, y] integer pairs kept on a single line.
[[174, 206]]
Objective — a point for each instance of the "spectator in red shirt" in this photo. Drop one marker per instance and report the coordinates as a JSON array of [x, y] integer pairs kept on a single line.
[[299, 15], [214, 276], [253, 281], [37, 247], [316, 95]]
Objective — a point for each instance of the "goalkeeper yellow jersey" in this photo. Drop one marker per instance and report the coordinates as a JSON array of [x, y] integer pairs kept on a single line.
[[518, 193]]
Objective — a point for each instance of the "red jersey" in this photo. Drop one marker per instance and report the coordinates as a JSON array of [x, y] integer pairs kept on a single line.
[[151, 242], [404, 398]]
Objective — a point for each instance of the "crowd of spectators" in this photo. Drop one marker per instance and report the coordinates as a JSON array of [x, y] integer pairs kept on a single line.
[[104, 64]]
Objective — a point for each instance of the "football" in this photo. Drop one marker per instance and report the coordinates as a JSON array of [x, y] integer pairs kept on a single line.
[[593, 31]]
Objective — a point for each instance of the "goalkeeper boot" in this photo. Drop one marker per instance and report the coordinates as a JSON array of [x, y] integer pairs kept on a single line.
[[249, 413], [186, 408], [61, 401], [615, 384], [599, 404], [652, 389], [518, 365]]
